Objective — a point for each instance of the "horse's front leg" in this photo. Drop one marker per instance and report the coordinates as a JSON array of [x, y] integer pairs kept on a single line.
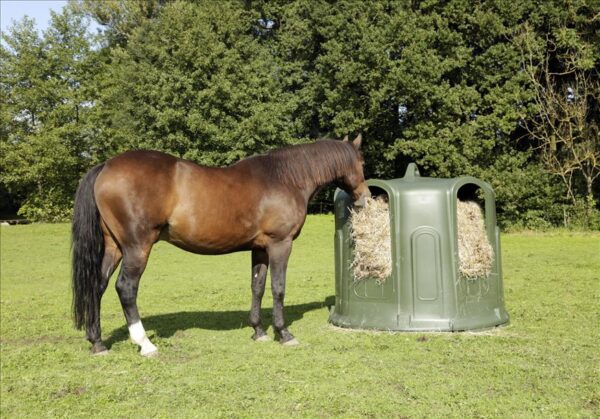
[[279, 254], [260, 264]]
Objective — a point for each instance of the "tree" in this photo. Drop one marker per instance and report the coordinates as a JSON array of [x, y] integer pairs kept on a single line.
[[441, 83], [198, 83], [563, 120], [46, 98], [119, 17], [433, 82]]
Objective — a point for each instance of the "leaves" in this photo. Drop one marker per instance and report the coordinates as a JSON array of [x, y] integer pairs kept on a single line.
[[46, 86], [444, 84]]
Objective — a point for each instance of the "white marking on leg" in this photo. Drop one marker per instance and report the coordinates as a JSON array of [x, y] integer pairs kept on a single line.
[[138, 336], [137, 332]]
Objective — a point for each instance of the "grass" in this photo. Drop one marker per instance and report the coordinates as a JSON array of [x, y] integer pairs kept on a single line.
[[544, 364]]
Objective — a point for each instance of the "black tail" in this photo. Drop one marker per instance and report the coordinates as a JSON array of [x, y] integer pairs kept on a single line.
[[88, 251]]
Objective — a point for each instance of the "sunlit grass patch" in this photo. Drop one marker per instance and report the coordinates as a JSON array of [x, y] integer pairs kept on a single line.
[[195, 309]]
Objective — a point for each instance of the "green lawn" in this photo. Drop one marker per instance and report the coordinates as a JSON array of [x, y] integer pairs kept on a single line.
[[544, 364]]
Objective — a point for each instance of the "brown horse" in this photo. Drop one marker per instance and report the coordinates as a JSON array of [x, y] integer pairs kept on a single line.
[[125, 205]]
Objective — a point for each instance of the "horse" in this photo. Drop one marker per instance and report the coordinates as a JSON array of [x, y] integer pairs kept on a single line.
[[259, 204]]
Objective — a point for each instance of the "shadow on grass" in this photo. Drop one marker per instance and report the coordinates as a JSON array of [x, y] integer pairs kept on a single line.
[[166, 325]]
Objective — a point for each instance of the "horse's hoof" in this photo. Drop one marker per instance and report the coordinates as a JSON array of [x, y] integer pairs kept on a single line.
[[148, 349], [98, 348], [263, 338], [291, 342], [150, 354]]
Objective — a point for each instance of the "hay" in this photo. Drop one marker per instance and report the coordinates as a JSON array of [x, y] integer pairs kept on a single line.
[[370, 234], [475, 254]]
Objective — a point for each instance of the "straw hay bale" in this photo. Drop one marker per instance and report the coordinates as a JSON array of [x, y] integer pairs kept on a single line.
[[475, 254], [370, 234]]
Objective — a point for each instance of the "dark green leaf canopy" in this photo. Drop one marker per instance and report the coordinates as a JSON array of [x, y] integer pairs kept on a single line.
[[450, 85]]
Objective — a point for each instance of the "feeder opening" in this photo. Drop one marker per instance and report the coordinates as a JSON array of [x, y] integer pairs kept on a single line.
[[378, 193], [475, 253], [370, 234]]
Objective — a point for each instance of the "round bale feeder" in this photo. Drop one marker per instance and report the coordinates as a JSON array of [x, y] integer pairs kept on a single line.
[[426, 289]]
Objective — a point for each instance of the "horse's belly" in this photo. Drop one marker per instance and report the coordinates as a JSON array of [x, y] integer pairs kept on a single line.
[[208, 240]]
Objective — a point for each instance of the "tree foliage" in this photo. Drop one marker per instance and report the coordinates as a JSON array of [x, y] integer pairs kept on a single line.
[[453, 85], [47, 92], [199, 86], [562, 121]]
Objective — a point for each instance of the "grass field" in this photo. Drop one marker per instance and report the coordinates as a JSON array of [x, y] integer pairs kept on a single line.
[[546, 363]]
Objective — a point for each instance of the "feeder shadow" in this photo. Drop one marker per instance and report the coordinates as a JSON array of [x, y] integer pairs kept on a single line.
[[166, 325]]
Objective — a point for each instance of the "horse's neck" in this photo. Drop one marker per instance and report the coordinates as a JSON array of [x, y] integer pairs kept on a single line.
[[313, 187], [290, 170]]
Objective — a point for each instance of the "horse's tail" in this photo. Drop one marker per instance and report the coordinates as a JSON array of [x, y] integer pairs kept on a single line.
[[88, 251]]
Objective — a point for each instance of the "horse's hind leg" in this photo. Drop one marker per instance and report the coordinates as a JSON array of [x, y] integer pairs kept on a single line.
[[260, 264], [110, 261], [135, 259]]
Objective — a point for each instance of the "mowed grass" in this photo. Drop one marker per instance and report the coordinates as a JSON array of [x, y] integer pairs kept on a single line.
[[544, 364]]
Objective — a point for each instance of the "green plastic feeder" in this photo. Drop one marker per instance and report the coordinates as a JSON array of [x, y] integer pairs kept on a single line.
[[425, 291]]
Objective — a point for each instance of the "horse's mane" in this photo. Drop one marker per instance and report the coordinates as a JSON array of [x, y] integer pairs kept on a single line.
[[316, 163]]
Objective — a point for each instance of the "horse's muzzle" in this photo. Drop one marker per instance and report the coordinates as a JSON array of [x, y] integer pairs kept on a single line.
[[360, 202]]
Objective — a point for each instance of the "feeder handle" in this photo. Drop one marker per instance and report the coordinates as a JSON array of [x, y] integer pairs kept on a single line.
[[412, 171]]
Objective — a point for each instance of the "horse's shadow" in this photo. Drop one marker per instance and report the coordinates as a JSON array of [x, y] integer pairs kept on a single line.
[[166, 325]]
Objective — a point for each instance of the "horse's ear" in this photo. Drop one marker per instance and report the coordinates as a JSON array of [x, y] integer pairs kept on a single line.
[[357, 141], [345, 140]]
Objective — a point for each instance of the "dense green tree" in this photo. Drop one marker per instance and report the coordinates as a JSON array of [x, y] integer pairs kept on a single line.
[[198, 83], [442, 83], [46, 93]]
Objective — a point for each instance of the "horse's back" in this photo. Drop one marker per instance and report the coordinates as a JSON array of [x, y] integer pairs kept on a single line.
[[148, 172], [144, 196]]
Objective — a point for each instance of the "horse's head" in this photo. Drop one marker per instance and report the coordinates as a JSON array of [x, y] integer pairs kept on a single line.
[[353, 182]]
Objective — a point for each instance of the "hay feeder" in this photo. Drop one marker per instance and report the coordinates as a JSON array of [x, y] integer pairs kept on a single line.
[[430, 285]]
